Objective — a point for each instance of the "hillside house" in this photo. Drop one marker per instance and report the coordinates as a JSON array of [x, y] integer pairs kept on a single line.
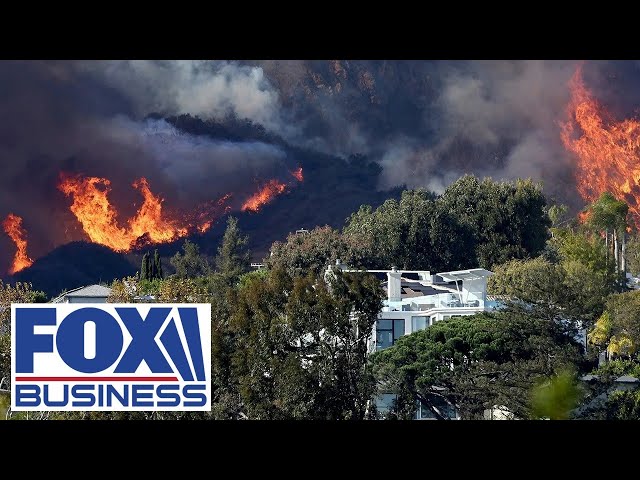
[[88, 294]]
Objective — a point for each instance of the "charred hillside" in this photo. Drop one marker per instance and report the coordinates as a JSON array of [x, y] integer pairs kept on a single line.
[[74, 265], [332, 189]]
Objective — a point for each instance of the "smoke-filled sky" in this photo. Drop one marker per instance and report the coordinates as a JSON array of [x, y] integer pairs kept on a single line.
[[425, 122]]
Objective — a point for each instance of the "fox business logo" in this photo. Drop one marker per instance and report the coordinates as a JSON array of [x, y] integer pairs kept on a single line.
[[91, 357]]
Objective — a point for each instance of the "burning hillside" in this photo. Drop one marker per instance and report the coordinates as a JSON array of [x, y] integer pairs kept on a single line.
[[607, 151], [264, 195], [150, 225], [268, 191]]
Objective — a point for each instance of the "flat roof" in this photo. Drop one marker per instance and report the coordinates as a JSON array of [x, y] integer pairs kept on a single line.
[[471, 274]]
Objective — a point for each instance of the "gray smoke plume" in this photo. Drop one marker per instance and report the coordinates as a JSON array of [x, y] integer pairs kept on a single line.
[[57, 117], [425, 122], [209, 89]]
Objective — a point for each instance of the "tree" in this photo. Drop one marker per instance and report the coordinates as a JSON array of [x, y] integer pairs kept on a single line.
[[604, 401], [151, 268], [556, 398], [415, 232], [145, 270], [19, 292], [633, 255], [610, 215], [181, 290], [507, 219], [157, 265], [474, 223], [233, 258], [126, 289], [300, 345], [569, 288], [311, 252], [190, 263], [618, 329], [474, 363], [558, 214]]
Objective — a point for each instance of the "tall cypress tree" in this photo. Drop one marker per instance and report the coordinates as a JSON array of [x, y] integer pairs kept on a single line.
[[157, 264], [145, 267], [152, 268]]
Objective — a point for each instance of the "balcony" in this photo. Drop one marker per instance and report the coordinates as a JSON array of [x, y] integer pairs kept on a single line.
[[459, 304], [436, 303]]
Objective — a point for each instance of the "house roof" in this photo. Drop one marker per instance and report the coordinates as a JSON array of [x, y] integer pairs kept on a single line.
[[472, 274], [91, 291], [417, 289], [622, 379]]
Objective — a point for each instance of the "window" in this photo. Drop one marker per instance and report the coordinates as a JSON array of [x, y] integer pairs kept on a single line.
[[446, 317], [385, 403], [387, 332], [433, 320], [418, 323], [423, 412]]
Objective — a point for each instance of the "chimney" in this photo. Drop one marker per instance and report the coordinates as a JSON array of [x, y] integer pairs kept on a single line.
[[394, 284]]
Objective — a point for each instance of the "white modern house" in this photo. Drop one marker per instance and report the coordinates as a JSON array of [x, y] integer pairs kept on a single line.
[[416, 299]]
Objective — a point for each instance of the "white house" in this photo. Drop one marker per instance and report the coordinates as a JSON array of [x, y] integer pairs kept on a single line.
[[88, 294], [416, 299]]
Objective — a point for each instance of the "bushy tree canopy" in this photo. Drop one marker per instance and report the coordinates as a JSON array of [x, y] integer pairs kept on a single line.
[[475, 362], [190, 263]]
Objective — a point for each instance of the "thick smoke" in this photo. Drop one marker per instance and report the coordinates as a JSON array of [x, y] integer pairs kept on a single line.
[[496, 119], [197, 168], [209, 89], [425, 122], [56, 117], [428, 122]]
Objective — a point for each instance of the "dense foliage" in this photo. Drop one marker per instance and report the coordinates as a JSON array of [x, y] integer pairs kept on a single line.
[[472, 224], [475, 363], [290, 342]]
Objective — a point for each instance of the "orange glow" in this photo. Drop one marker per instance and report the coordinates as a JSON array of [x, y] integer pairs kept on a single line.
[[149, 218], [204, 217], [297, 173], [12, 226], [607, 152], [583, 216], [150, 225], [264, 195]]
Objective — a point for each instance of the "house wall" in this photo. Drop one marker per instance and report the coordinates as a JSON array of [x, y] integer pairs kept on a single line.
[[85, 300]]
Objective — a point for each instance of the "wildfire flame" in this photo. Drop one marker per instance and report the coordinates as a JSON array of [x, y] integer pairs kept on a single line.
[[150, 225], [297, 173], [268, 191], [264, 195], [12, 226], [607, 151], [583, 216]]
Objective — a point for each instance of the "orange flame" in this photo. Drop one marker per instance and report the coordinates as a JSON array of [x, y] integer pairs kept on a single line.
[[583, 216], [149, 225], [203, 217], [264, 195], [13, 227], [607, 152], [149, 218], [297, 173]]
